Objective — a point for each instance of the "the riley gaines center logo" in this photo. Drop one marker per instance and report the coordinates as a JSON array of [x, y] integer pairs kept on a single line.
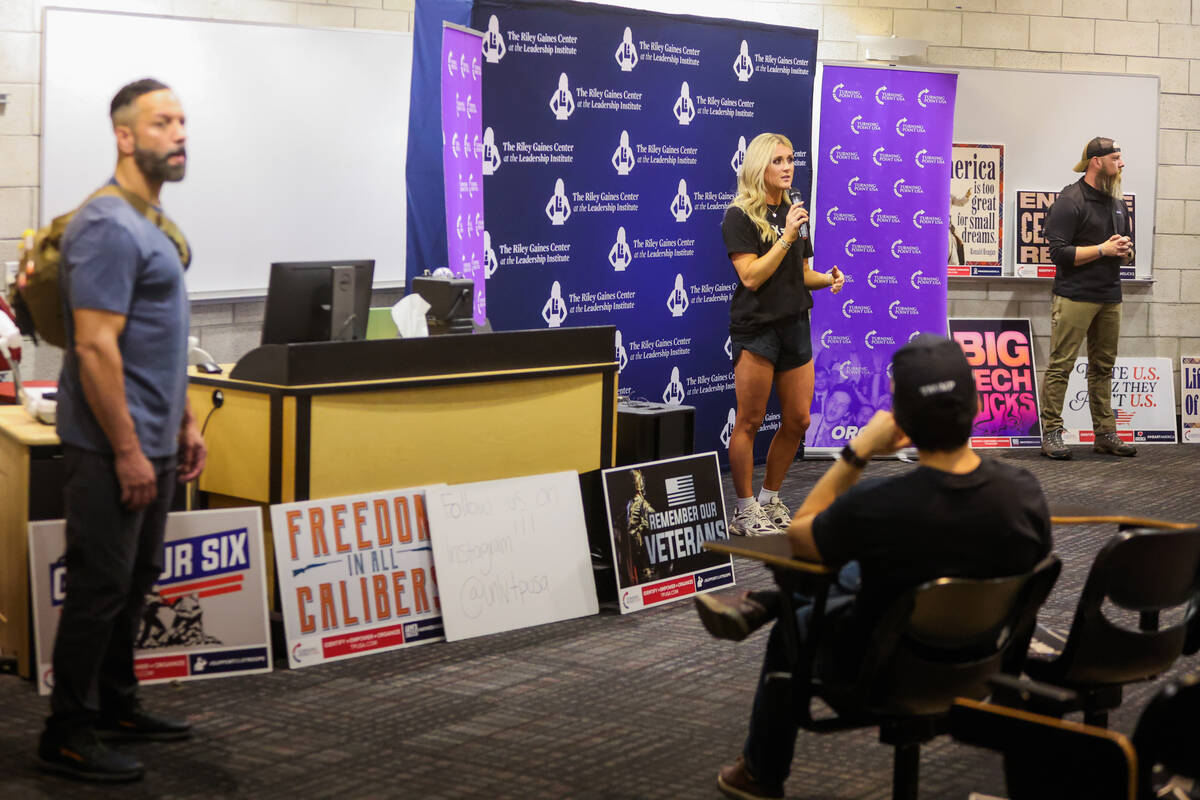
[[921, 219], [904, 127], [833, 216], [851, 309], [899, 248], [896, 310], [875, 279], [858, 124], [840, 93], [903, 187]]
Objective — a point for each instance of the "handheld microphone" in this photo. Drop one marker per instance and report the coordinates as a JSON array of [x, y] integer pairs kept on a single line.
[[797, 197]]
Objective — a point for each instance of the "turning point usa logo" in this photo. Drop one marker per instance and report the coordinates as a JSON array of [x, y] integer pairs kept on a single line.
[[903, 187], [875, 279], [879, 217], [926, 98], [896, 310], [857, 185], [924, 157], [919, 279], [904, 127], [851, 309], [838, 155], [880, 156], [840, 93], [855, 247], [899, 248], [829, 338], [833, 216], [883, 96], [858, 124], [875, 338], [921, 219]]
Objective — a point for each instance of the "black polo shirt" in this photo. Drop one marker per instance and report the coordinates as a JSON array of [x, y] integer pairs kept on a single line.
[[1084, 216]]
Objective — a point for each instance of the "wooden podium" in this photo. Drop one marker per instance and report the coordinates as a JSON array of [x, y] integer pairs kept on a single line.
[[302, 421]]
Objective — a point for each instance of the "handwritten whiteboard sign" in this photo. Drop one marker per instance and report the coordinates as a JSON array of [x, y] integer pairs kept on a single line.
[[510, 553]]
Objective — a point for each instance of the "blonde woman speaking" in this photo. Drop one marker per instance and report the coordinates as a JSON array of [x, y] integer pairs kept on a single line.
[[766, 236]]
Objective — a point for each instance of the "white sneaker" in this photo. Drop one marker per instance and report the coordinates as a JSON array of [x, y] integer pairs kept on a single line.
[[752, 521], [778, 513]]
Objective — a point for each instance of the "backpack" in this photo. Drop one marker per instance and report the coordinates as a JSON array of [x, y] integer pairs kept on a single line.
[[36, 298]]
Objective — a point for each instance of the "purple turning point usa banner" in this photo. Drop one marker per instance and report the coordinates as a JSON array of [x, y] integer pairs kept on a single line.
[[462, 157], [882, 217]]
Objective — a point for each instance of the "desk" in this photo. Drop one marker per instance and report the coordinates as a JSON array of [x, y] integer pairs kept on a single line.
[[30, 457], [406, 412]]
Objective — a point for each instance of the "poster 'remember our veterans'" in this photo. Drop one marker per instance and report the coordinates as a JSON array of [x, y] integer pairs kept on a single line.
[[1000, 352], [1189, 396], [1032, 258], [660, 514], [1143, 400], [355, 575], [206, 616], [976, 210]]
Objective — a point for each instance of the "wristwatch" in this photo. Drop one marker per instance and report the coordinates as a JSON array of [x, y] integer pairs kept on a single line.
[[852, 458]]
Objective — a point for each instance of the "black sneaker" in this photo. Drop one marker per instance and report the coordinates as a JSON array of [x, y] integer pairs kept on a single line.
[[1111, 444], [136, 723], [1053, 447], [77, 753]]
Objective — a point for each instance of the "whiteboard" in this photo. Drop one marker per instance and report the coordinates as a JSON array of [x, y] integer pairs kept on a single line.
[[510, 553], [1044, 119], [296, 137]]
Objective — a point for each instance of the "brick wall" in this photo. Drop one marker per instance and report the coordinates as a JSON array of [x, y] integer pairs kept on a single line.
[[1160, 37]]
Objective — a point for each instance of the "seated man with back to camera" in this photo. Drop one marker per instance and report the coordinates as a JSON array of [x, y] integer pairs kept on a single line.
[[954, 515]]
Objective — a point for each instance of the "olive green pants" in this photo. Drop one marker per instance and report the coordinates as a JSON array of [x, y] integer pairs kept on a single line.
[[1071, 322]]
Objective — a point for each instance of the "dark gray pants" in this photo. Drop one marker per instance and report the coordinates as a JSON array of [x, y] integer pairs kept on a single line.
[[113, 558]]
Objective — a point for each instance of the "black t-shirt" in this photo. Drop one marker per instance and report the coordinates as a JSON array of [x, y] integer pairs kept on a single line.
[[928, 524], [783, 297], [1081, 216]]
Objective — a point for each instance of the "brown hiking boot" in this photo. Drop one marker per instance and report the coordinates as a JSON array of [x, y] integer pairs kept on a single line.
[[736, 781], [1112, 444], [1053, 447]]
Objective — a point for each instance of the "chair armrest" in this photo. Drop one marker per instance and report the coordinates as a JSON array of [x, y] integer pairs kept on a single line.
[[1031, 695]]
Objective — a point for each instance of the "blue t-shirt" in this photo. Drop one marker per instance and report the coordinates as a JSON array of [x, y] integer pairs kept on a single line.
[[114, 259]]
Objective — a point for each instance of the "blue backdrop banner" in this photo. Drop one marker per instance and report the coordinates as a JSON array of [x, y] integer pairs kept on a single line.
[[612, 139], [883, 186]]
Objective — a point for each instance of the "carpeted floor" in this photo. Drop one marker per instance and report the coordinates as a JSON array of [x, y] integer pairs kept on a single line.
[[640, 706]]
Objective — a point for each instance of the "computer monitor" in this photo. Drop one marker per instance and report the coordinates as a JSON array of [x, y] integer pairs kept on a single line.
[[318, 301]]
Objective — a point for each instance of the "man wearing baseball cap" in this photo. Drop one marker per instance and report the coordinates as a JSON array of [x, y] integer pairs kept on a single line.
[[1089, 236], [954, 515]]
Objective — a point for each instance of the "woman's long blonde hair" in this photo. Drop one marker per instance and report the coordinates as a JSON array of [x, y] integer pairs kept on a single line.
[[751, 193]]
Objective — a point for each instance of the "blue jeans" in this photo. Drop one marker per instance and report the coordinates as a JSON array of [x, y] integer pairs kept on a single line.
[[771, 743]]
